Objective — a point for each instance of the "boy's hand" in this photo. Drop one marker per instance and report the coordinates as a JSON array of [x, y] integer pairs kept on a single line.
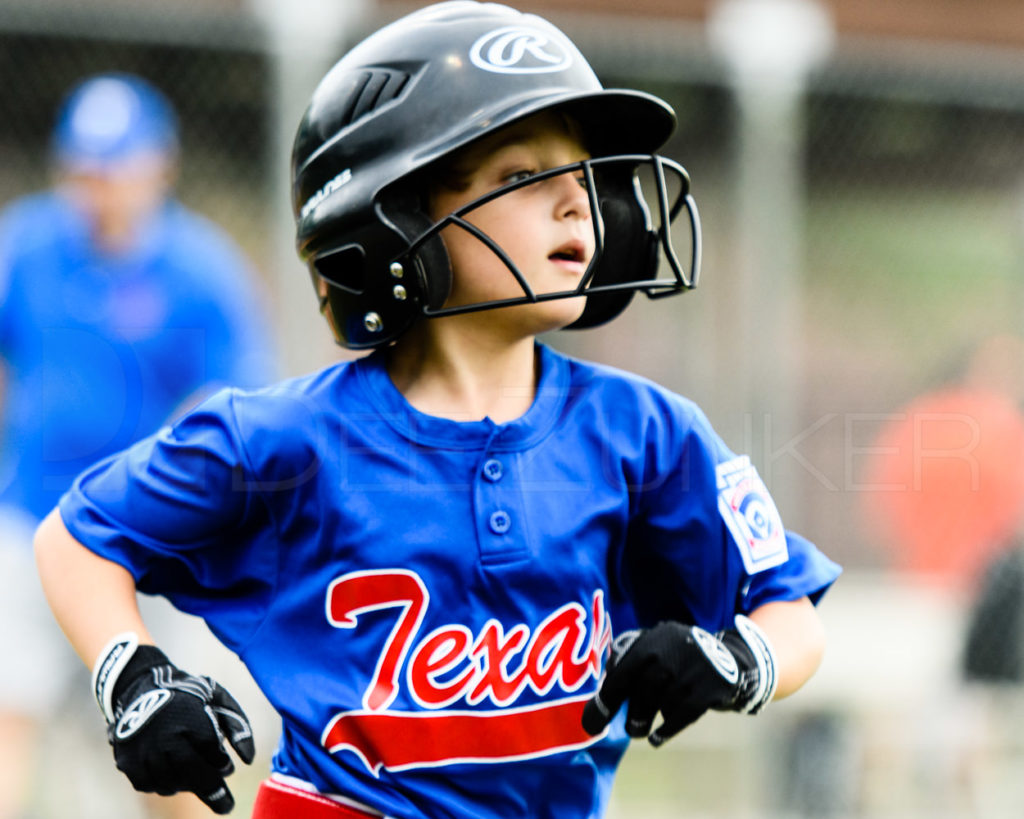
[[167, 727], [682, 671]]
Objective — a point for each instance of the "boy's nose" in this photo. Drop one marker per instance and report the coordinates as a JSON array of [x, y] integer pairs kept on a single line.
[[572, 196]]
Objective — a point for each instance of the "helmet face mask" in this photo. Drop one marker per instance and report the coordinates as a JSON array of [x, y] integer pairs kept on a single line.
[[624, 275], [376, 124]]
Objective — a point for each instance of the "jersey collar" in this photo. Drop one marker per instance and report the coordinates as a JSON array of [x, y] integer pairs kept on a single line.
[[429, 430]]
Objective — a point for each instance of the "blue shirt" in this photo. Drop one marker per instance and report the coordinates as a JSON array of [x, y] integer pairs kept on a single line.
[[428, 603], [101, 348]]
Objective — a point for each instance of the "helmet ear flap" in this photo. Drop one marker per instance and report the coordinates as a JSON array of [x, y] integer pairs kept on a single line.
[[431, 265], [630, 251]]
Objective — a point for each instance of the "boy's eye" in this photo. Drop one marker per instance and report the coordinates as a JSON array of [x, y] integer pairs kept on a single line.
[[518, 176]]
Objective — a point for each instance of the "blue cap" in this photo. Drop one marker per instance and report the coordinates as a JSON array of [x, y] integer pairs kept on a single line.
[[112, 118]]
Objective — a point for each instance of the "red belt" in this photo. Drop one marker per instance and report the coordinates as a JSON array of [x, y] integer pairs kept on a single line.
[[275, 800]]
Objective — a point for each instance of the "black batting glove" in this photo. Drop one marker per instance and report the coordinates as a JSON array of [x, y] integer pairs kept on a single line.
[[167, 727], [682, 671]]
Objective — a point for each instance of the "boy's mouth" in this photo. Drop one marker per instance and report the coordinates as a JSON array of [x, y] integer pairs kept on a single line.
[[573, 251]]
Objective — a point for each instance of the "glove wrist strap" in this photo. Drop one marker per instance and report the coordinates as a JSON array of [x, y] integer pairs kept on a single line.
[[112, 660], [121, 661], [763, 675]]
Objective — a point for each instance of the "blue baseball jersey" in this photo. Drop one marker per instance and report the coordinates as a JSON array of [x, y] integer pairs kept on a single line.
[[102, 347], [428, 603]]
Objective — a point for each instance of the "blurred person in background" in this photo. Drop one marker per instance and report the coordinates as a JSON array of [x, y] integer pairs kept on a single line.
[[946, 495], [119, 308], [991, 658]]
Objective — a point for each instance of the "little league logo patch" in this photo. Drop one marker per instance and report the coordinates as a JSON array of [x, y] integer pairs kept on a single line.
[[749, 512]]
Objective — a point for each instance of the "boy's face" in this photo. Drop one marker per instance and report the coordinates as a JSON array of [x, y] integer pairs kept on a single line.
[[544, 228], [117, 201]]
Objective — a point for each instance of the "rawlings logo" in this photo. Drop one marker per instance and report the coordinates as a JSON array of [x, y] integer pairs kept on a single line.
[[519, 50], [318, 198], [450, 665]]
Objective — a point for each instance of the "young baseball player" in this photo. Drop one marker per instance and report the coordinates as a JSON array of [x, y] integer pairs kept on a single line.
[[464, 568]]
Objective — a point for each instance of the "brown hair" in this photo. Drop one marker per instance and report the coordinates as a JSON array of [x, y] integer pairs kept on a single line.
[[454, 172]]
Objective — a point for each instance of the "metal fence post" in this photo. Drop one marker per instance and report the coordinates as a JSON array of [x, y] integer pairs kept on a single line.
[[303, 38], [769, 47]]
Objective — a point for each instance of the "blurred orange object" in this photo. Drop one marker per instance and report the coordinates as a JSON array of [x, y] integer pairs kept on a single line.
[[944, 483]]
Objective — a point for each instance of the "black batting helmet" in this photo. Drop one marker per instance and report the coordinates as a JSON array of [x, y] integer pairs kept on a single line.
[[429, 84]]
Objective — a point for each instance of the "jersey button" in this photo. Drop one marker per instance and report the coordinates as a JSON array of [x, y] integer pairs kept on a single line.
[[493, 470], [500, 522]]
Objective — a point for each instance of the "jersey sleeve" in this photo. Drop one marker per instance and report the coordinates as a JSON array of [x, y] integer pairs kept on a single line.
[[709, 541], [177, 511]]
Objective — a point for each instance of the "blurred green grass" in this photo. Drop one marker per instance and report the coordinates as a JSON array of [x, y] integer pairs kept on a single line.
[[913, 277]]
